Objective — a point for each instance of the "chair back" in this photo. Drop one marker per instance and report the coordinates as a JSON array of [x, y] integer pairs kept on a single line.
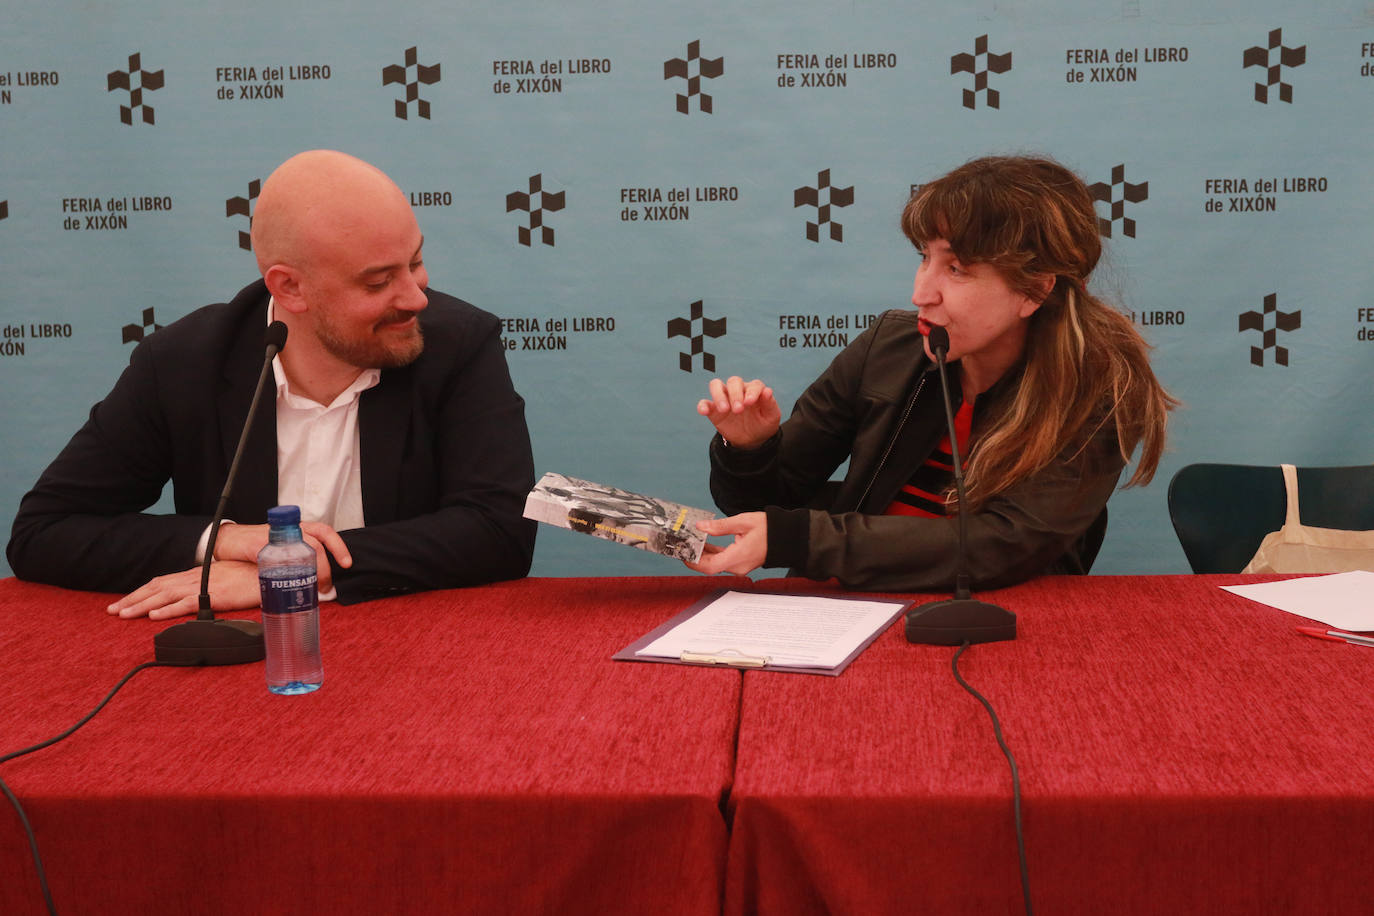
[[1221, 512]]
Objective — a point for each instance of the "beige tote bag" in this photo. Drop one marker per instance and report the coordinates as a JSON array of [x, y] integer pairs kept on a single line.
[[1299, 548]]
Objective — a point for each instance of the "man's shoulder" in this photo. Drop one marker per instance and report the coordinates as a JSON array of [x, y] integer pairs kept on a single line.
[[209, 334], [451, 323], [452, 311], [212, 324]]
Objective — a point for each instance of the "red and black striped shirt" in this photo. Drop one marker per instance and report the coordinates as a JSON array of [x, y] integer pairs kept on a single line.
[[924, 494]]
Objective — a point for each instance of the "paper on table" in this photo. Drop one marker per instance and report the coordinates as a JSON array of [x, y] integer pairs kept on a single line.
[[792, 630], [1341, 600]]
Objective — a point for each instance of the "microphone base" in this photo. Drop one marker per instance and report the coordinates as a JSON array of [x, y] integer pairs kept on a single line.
[[956, 620], [210, 642]]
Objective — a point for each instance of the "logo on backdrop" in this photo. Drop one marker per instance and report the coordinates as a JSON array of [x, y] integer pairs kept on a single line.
[[243, 206], [823, 197], [980, 63], [694, 69], [133, 333], [401, 73], [1273, 58], [135, 81], [1116, 195], [534, 202], [696, 329], [1269, 322]]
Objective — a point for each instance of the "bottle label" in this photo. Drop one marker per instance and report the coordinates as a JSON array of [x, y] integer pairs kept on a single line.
[[288, 595]]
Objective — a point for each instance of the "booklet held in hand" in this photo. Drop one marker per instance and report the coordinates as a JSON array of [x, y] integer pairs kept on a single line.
[[618, 515]]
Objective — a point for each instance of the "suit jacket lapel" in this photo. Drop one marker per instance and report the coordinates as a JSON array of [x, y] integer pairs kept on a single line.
[[383, 428], [255, 490]]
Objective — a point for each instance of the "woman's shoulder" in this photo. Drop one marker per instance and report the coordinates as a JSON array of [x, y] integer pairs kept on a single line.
[[894, 329], [897, 321]]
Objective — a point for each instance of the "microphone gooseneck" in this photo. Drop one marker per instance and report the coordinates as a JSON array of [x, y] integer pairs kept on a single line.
[[205, 640], [960, 619], [939, 345]]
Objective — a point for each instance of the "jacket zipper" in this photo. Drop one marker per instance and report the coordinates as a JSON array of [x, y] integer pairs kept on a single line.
[[891, 442]]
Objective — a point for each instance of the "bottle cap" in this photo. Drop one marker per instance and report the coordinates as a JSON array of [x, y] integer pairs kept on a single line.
[[281, 516]]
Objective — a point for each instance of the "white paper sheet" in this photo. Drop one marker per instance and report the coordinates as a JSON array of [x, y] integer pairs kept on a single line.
[[1342, 600], [792, 630]]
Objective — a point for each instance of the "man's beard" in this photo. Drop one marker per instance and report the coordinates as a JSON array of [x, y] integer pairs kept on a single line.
[[381, 349]]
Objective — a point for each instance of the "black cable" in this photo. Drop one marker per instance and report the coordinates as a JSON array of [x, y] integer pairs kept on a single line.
[[1015, 777], [23, 818], [33, 846]]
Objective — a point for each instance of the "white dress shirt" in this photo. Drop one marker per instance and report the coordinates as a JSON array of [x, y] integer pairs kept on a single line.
[[319, 464], [319, 467]]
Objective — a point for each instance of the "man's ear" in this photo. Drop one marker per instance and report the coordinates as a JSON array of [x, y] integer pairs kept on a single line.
[[284, 283]]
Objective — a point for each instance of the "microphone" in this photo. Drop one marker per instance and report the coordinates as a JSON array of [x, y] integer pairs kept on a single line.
[[205, 640], [961, 619]]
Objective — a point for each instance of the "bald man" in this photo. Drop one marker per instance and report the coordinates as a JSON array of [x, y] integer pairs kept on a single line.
[[396, 428]]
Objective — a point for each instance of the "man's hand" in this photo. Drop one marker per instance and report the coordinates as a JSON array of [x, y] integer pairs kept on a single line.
[[242, 542], [744, 413], [233, 574], [742, 557], [233, 587]]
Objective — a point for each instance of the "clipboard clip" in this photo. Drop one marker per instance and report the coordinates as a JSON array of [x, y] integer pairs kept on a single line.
[[731, 657]]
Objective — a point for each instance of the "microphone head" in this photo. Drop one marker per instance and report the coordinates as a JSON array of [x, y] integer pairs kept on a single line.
[[276, 335], [938, 339]]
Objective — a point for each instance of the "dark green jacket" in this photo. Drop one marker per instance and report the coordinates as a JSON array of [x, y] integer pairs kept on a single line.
[[879, 405]]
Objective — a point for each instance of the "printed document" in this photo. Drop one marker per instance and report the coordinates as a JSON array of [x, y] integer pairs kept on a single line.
[[1340, 600], [777, 629]]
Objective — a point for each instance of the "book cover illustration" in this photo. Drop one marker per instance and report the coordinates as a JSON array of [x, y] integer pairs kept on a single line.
[[618, 515]]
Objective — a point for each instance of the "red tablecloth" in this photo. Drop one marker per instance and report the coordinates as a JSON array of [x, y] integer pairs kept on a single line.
[[1182, 750], [472, 750]]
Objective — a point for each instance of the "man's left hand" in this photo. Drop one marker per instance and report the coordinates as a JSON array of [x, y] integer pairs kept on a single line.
[[233, 587], [242, 542]]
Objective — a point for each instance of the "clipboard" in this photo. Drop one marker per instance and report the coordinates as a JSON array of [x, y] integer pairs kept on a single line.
[[728, 657]]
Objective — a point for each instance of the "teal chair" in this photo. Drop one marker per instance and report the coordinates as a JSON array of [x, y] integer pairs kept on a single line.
[[1221, 512]]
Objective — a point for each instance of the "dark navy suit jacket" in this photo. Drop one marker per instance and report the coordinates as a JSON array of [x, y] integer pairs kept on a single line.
[[446, 461]]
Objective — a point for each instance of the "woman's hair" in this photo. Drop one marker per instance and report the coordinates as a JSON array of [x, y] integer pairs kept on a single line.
[[1085, 365]]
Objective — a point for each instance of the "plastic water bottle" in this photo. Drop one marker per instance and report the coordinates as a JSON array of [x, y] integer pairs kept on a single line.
[[290, 605]]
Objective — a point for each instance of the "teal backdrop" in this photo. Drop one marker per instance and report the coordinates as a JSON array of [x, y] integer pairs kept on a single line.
[[602, 174]]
